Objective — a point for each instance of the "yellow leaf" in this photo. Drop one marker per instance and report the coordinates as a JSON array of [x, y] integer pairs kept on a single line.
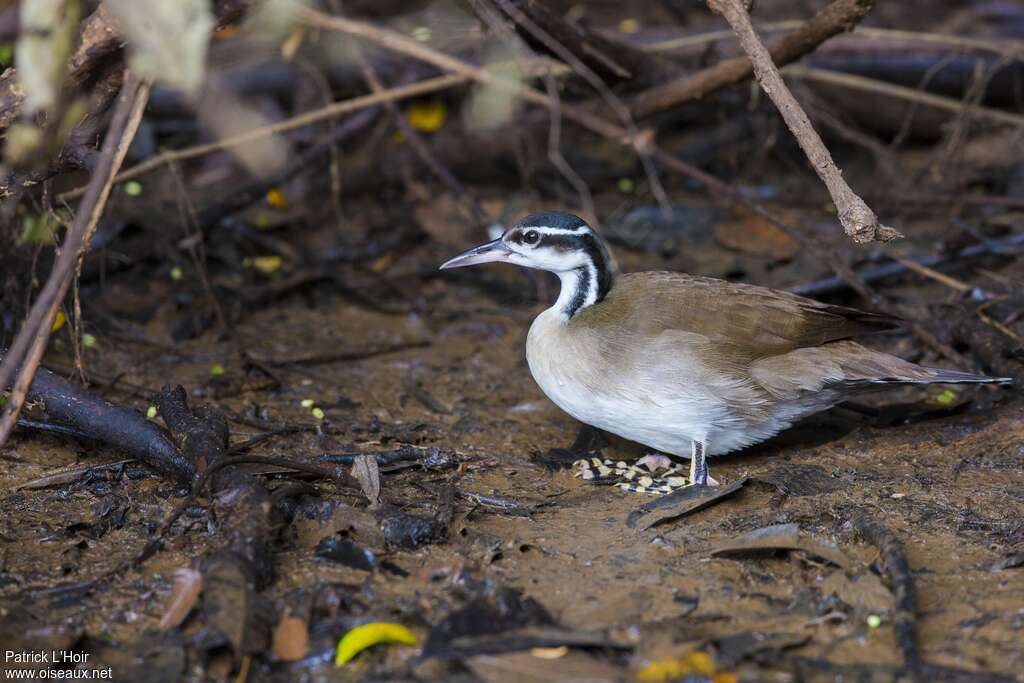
[[427, 115], [276, 198], [672, 668], [58, 322], [217, 370], [368, 635], [383, 262], [224, 32], [266, 264], [629, 25]]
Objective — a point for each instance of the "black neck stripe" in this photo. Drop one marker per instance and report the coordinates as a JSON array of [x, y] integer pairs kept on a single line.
[[595, 275]]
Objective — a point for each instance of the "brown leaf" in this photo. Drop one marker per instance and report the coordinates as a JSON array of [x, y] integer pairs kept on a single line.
[[188, 584], [754, 235], [365, 470], [778, 537], [291, 638], [524, 667], [682, 502]]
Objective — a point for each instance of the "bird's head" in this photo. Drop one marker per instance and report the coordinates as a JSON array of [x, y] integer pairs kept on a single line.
[[554, 241], [560, 243]]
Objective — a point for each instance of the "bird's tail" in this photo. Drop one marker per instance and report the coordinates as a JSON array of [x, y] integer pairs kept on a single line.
[[943, 376]]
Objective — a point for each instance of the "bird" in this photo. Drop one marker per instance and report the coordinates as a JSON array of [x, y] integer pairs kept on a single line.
[[688, 366]]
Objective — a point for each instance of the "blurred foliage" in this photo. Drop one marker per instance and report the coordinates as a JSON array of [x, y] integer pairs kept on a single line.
[[48, 30], [167, 41]]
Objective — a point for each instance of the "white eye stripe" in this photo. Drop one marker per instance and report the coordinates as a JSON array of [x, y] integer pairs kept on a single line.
[[548, 230]]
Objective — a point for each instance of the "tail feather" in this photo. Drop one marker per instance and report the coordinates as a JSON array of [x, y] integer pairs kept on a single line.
[[943, 376]]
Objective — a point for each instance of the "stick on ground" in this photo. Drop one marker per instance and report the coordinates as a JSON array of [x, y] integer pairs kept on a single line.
[[904, 621]]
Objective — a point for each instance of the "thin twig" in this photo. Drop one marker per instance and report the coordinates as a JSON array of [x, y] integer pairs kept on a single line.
[[856, 217], [420, 147], [1000, 46], [27, 350], [611, 100], [902, 92], [592, 122], [337, 109]]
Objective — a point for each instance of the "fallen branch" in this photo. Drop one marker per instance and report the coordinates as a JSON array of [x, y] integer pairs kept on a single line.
[[838, 17], [123, 428], [27, 350], [856, 217], [904, 621]]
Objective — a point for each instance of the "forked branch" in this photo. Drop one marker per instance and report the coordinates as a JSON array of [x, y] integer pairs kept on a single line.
[[856, 217]]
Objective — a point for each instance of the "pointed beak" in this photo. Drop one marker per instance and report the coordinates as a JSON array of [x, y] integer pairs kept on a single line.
[[485, 253]]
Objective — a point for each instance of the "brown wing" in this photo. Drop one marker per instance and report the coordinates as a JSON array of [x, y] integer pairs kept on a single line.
[[755, 322]]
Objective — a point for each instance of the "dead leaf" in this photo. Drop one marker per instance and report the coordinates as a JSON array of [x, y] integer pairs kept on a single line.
[[291, 638], [680, 503], [778, 537], [863, 591], [234, 609], [188, 584], [796, 479], [523, 667], [367, 473], [755, 236]]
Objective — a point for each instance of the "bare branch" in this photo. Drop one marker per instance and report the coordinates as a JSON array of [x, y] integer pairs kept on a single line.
[[837, 17], [27, 350], [856, 217]]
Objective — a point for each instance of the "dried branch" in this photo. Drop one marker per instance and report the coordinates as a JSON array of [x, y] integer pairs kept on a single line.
[[837, 17], [619, 134], [940, 102], [612, 60], [856, 217], [27, 350], [83, 414], [333, 110]]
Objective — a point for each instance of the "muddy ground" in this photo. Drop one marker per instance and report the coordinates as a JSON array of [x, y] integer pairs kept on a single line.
[[947, 480]]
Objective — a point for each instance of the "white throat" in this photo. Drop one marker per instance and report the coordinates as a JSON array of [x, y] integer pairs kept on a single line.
[[579, 290]]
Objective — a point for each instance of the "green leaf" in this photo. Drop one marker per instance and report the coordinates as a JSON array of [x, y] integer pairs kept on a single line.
[[133, 188], [38, 229]]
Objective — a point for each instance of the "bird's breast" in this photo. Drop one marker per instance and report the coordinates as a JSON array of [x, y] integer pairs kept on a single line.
[[562, 364]]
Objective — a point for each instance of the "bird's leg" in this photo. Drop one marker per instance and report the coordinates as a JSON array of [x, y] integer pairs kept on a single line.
[[699, 475]]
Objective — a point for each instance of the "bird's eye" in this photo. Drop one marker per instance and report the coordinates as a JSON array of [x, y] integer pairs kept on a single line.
[[531, 237]]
